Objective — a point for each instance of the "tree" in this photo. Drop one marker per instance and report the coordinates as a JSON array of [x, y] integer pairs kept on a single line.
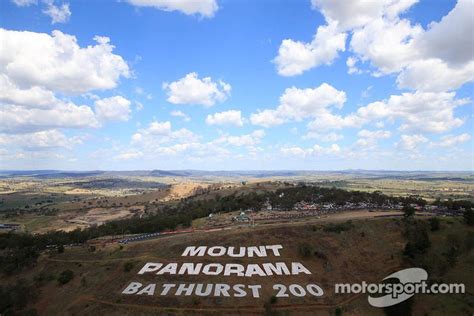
[[418, 238], [408, 210], [469, 216], [60, 249]]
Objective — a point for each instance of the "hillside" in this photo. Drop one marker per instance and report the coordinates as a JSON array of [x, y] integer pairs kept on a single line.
[[338, 251]]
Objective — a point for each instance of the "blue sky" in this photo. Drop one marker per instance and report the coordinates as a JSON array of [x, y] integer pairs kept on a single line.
[[220, 84]]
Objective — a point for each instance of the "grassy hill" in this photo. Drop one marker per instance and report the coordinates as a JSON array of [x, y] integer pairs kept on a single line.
[[361, 250]]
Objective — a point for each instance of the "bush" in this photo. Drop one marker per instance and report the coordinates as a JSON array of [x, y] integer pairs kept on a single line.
[[469, 216], [65, 277], [434, 224], [418, 239], [60, 249], [128, 266], [304, 250], [321, 254], [408, 210], [16, 297], [338, 228]]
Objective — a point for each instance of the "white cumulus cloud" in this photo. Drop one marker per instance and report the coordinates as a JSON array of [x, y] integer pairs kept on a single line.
[[251, 139], [452, 140], [181, 114], [295, 57], [411, 142], [192, 90], [298, 104], [232, 117], [113, 109], [204, 8], [57, 13], [36, 67], [56, 62]]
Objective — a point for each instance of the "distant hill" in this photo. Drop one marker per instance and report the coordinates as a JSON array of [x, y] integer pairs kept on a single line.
[[365, 174], [45, 174]]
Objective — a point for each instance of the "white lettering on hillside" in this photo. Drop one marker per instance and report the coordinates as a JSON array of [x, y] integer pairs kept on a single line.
[[228, 269], [219, 251]]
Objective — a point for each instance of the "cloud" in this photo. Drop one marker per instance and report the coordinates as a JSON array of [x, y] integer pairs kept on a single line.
[[411, 142], [129, 155], [36, 67], [36, 97], [374, 134], [231, 117], [19, 119], [357, 13], [40, 140], [298, 104], [369, 138], [266, 118], [57, 63], [393, 45], [158, 128], [327, 121], [24, 3], [113, 109], [192, 90], [204, 8], [443, 51], [251, 139], [387, 44], [181, 114], [351, 65], [419, 75], [157, 133], [138, 106], [295, 151], [58, 14], [419, 111], [295, 57], [342, 17], [452, 140], [316, 150], [431, 112], [159, 139], [324, 137], [451, 39]]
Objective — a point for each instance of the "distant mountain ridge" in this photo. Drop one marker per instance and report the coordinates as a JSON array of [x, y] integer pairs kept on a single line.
[[372, 174]]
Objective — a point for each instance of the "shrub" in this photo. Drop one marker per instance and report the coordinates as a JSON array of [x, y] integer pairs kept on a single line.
[[469, 216], [338, 228], [304, 250], [65, 277], [128, 266], [60, 249], [408, 210], [434, 224]]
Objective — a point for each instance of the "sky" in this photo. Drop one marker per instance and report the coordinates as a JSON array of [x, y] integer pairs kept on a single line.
[[236, 84]]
